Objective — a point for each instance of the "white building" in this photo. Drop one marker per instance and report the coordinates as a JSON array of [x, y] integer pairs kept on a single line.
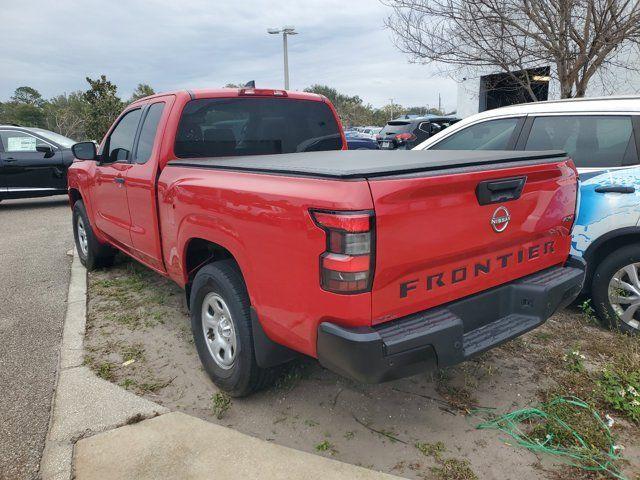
[[491, 90]]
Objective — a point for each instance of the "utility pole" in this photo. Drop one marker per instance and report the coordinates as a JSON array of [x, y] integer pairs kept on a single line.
[[391, 100], [439, 103], [286, 30]]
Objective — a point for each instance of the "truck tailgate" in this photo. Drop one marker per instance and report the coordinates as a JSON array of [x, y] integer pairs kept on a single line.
[[441, 236]]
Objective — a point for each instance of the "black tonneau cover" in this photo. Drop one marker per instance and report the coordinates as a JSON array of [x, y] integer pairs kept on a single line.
[[360, 164]]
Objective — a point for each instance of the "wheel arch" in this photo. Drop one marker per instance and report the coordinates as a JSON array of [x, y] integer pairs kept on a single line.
[[605, 244], [74, 196], [198, 252]]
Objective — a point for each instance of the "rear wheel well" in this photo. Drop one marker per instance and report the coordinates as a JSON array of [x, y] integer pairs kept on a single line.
[[603, 249], [74, 196], [200, 252]]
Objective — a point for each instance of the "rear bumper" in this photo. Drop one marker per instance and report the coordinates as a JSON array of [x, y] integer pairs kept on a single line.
[[450, 334]]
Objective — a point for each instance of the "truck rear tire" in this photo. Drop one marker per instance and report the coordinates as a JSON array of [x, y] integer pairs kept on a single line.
[[221, 326], [615, 290], [92, 253]]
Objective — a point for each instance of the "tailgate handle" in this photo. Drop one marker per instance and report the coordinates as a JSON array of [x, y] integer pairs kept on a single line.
[[498, 191]]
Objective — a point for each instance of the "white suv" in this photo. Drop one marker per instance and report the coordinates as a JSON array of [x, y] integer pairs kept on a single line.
[[602, 135]]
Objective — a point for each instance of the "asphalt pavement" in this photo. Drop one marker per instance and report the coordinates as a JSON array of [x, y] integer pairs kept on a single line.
[[35, 236]]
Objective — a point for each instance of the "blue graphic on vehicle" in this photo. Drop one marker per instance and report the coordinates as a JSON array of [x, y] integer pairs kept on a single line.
[[603, 212]]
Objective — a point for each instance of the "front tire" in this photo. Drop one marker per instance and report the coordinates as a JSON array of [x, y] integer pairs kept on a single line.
[[615, 290], [221, 326], [92, 253]]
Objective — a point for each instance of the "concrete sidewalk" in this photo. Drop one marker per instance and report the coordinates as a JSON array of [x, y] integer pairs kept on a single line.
[[98, 430], [176, 445]]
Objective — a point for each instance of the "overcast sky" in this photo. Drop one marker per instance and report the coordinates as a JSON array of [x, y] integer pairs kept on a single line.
[[52, 45]]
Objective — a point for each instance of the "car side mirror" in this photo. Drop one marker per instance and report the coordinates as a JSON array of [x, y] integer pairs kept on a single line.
[[85, 151], [46, 149]]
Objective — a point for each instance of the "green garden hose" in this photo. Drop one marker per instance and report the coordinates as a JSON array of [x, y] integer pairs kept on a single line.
[[578, 452]]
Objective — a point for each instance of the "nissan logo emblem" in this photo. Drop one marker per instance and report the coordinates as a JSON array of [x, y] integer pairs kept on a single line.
[[500, 219]]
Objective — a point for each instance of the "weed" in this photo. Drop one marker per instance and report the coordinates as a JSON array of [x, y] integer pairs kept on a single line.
[[326, 446], [127, 383], [574, 360], [434, 450], [588, 311], [311, 423], [105, 371], [621, 391], [220, 403], [454, 469], [349, 435]]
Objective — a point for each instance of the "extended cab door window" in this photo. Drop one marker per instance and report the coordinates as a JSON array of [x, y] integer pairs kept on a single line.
[[498, 134], [591, 140], [148, 132], [120, 143]]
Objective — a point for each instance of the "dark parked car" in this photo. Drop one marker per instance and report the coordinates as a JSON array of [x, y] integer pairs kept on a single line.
[[407, 132], [358, 141], [33, 162]]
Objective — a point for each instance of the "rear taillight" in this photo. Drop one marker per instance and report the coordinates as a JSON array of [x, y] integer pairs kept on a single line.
[[405, 137], [347, 264]]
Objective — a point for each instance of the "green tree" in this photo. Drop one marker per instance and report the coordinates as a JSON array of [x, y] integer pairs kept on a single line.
[[28, 96], [141, 91], [103, 107], [25, 108]]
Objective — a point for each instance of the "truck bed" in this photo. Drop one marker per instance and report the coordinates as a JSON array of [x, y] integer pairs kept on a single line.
[[354, 165]]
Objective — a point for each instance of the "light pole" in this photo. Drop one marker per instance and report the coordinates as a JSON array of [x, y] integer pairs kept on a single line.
[[286, 30]]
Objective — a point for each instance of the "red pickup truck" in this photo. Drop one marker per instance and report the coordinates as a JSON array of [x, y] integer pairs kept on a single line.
[[379, 264]]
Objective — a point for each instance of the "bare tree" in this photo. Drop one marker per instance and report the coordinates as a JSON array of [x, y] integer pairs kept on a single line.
[[578, 38]]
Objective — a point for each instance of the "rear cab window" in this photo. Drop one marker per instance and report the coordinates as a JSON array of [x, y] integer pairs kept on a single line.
[[219, 127], [590, 140]]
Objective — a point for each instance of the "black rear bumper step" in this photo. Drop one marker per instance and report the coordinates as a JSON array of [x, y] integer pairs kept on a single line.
[[450, 334]]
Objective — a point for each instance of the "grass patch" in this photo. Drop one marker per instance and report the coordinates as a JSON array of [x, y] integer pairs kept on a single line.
[[220, 403], [105, 371], [434, 450], [565, 427], [326, 446], [133, 352], [454, 469]]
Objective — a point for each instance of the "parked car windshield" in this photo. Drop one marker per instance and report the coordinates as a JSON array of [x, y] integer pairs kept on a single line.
[[61, 140], [255, 126]]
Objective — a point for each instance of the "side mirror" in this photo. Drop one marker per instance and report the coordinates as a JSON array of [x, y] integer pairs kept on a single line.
[[46, 149], [85, 151]]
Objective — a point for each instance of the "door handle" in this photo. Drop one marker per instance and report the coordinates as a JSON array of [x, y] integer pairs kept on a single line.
[[119, 180], [10, 159], [498, 191], [615, 189]]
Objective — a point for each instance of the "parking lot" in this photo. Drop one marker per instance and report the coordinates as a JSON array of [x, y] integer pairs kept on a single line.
[[34, 267], [138, 336]]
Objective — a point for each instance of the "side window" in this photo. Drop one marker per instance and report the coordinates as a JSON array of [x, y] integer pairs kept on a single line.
[[148, 132], [592, 141], [15, 141], [489, 135], [120, 143]]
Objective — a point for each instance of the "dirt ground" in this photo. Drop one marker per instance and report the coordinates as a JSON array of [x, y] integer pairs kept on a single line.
[[423, 427]]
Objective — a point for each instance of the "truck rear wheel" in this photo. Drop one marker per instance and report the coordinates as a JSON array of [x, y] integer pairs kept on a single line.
[[615, 290], [221, 326], [92, 253]]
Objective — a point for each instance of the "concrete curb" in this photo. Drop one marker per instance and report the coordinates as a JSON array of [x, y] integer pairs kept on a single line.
[[83, 404]]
